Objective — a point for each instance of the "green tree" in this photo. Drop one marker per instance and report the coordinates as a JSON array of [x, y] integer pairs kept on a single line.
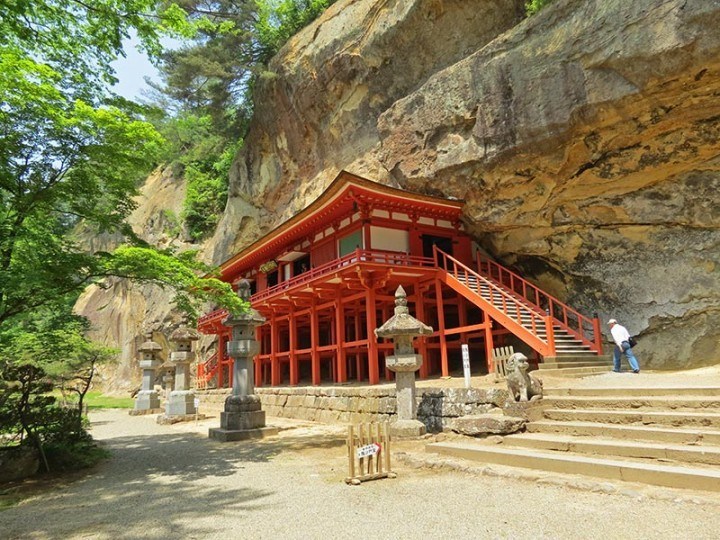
[[207, 86], [48, 350], [71, 153]]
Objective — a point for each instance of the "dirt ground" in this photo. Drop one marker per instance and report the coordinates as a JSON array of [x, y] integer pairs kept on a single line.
[[173, 482]]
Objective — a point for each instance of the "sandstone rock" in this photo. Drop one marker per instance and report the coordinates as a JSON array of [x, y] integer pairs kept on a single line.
[[584, 140], [483, 424]]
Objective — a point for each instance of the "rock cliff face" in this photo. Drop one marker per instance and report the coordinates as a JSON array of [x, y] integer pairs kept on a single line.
[[584, 140], [120, 311]]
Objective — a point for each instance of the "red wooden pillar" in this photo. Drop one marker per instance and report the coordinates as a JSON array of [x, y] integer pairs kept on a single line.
[[422, 343], [256, 360], [462, 316], [373, 371], [314, 342], [274, 346], [365, 215], [445, 370], [340, 357], [358, 364], [294, 368], [221, 359], [463, 248], [488, 342], [388, 376]]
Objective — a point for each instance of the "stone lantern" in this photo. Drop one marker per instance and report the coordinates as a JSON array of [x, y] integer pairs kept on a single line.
[[147, 400], [243, 417], [402, 328], [182, 399]]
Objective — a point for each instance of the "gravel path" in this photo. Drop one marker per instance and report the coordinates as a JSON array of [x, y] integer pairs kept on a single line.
[[170, 482]]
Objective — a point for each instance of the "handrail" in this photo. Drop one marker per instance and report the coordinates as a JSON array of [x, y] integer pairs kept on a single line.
[[359, 255], [511, 306], [581, 327], [213, 314], [206, 371]]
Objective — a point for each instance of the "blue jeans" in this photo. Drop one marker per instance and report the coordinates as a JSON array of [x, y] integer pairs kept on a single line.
[[628, 353]]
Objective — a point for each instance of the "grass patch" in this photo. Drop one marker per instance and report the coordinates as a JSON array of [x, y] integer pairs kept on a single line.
[[98, 400]]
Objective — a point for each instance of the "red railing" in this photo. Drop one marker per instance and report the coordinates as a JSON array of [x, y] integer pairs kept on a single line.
[[364, 256], [206, 371], [358, 256], [511, 307], [583, 328]]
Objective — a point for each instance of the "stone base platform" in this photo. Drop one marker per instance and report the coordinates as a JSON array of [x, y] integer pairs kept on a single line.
[[178, 418], [230, 435], [438, 408], [143, 412]]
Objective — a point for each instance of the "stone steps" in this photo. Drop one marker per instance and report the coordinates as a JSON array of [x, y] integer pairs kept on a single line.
[[634, 391], [632, 432], [544, 366], [612, 469], [625, 416], [661, 436], [572, 371], [696, 454], [633, 402]]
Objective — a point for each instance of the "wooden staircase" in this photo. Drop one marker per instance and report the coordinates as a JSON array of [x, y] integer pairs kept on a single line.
[[569, 342], [660, 436], [206, 372]]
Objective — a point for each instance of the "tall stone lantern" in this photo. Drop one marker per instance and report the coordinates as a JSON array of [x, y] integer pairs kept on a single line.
[[182, 399], [243, 417], [402, 328], [147, 400]]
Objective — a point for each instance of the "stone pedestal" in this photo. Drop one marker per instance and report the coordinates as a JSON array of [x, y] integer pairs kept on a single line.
[[147, 400], [243, 417], [180, 402]]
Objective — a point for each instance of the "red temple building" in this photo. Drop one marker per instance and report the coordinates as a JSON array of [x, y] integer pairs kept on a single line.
[[326, 278]]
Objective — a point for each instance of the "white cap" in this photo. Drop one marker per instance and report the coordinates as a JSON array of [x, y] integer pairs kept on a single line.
[[612, 321]]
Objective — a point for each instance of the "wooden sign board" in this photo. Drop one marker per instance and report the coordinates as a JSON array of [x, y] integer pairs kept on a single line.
[[368, 447]]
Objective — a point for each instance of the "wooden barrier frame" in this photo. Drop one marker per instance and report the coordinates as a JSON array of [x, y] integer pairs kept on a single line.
[[500, 356], [373, 467]]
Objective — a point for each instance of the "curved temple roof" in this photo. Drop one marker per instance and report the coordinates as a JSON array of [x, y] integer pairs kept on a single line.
[[340, 199]]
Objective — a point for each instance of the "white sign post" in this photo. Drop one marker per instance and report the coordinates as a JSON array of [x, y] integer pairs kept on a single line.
[[466, 363]]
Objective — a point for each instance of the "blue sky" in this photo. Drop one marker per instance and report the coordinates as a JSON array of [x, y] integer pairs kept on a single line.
[[132, 70]]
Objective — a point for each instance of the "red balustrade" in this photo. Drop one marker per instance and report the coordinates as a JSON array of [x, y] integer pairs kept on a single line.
[[206, 371], [509, 308], [583, 328]]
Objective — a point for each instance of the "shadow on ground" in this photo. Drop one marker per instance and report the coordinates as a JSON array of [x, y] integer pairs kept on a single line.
[[158, 486]]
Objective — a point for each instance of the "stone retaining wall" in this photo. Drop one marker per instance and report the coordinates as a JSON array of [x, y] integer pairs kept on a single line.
[[437, 407]]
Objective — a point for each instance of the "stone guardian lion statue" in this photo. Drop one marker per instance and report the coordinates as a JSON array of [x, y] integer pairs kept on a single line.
[[522, 387]]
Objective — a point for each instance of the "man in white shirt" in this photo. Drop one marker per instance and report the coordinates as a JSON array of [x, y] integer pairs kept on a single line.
[[621, 337]]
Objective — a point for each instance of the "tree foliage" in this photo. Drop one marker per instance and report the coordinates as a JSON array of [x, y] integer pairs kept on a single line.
[[208, 84], [533, 6], [72, 153]]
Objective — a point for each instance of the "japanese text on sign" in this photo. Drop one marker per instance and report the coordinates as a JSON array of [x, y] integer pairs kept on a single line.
[[368, 450]]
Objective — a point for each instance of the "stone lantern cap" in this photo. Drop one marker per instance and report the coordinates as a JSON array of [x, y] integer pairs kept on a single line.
[[149, 345], [167, 366], [402, 323], [185, 333], [249, 317]]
